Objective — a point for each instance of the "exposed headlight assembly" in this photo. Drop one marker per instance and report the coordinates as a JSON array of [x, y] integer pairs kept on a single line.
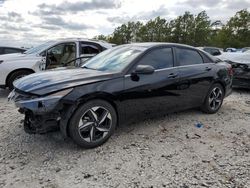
[[43, 104]]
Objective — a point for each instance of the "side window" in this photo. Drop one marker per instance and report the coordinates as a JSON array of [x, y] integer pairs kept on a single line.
[[215, 52], [188, 57], [1, 51], [89, 49], [158, 58], [208, 50], [11, 50], [60, 55]]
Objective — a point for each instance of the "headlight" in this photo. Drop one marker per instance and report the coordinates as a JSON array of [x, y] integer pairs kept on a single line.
[[43, 104]]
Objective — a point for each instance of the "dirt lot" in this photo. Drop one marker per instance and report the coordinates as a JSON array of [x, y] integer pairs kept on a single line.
[[166, 152]]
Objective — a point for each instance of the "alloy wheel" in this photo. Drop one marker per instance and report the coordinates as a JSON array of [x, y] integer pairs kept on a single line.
[[215, 98], [95, 124]]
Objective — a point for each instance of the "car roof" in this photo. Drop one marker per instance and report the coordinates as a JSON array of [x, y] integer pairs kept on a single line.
[[100, 42], [155, 44]]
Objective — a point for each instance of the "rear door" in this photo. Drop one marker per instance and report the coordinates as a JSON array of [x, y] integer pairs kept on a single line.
[[152, 94], [196, 76]]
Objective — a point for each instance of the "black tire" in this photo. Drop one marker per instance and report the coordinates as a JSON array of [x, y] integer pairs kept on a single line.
[[210, 105], [16, 75], [82, 136]]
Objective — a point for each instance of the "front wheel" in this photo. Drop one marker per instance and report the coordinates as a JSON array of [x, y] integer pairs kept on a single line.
[[93, 123], [214, 99]]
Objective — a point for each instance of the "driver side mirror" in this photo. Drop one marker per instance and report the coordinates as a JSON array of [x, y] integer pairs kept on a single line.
[[144, 69]]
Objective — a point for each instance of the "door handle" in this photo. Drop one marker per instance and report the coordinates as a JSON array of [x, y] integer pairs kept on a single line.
[[172, 75], [208, 68]]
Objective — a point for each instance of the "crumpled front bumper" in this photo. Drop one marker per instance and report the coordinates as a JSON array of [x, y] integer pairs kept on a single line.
[[241, 77], [241, 83], [38, 105], [41, 114]]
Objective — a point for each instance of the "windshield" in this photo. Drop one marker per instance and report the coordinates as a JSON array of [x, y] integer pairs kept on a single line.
[[114, 59], [39, 48]]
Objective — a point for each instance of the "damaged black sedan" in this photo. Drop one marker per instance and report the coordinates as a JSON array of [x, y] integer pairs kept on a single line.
[[241, 70], [121, 84]]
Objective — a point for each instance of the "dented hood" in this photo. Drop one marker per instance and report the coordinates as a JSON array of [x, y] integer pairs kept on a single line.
[[243, 58], [51, 81]]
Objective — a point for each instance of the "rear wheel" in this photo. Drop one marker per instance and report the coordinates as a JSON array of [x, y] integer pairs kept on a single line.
[[15, 76], [93, 123], [214, 99]]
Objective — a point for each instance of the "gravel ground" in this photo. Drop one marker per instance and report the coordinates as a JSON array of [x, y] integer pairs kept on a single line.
[[166, 152]]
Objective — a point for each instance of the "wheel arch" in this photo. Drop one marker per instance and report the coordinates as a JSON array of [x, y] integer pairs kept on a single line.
[[215, 82], [221, 83], [19, 69], [70, 110]]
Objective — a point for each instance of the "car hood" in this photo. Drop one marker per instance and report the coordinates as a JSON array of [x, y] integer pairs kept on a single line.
[[15, 56], [51, 81], [243, 58]]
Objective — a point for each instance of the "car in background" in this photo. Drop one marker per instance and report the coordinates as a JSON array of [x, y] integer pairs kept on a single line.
[[230, 50], [122, 84], [212, 50], [246, 49], [241, 68], [237, 50], [10, 50], [50, 55]]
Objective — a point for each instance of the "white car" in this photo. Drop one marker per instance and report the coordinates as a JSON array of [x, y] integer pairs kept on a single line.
[[214, 51], [50, 55]]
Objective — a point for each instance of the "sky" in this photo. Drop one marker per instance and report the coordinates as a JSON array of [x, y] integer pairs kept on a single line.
[[30, 22]]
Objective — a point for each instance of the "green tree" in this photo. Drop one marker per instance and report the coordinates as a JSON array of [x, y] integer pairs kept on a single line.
[[126, 33], [202, 29], [155, 30], [183, 29], [101, 37], [196, 30]]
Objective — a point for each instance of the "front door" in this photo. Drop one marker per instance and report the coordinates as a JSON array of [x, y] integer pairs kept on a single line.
[[61, 55], [150, 95]]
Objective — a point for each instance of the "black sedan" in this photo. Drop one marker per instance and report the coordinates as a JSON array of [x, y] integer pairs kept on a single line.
[[121, 84]]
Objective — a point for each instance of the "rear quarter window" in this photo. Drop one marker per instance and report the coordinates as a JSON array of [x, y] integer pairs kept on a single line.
[[188, 57]]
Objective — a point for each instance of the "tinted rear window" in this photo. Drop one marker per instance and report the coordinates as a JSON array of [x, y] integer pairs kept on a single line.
[[188, 57]]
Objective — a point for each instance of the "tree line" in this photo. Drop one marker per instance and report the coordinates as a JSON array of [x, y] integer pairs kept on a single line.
[[195, 30]]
